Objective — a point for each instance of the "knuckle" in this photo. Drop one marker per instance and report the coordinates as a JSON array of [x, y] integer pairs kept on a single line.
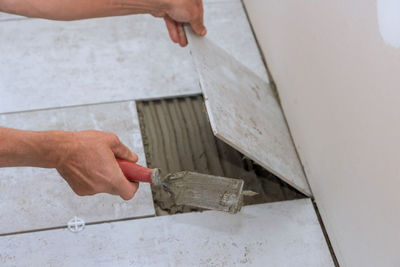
[[124, 197], [114, 139], [128, 195], [80, 193], [196, 25], [194, 14]]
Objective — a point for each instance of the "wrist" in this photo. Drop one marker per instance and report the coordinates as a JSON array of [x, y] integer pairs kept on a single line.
[[35, 149], [45, 149], [55, 145]]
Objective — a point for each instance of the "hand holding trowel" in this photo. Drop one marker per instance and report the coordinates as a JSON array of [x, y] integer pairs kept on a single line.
[[191, 188]]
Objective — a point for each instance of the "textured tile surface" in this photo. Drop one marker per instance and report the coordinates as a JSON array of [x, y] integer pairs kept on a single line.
[[278, 234], [6, 16], [228, 27], [53, 64], [245, 113], [33, 198]]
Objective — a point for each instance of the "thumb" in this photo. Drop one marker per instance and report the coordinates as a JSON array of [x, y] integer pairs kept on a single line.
[[197, 23], [198, 26], [123, 152]]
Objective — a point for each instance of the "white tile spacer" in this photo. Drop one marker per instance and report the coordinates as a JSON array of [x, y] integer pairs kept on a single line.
[[76, 224]]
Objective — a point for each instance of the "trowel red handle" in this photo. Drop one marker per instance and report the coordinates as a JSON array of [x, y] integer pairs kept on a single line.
[[134, 172]]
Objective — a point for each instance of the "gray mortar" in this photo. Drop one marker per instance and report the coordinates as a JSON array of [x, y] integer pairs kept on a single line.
[[177, 137]]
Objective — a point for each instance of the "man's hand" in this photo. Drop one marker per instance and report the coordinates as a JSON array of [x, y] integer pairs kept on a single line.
[[184, 11], [86, 160], [88, 163], [174, 12]]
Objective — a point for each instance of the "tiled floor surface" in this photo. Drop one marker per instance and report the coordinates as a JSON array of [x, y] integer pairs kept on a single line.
[[34, 198], [277, 234], [46, 64], [55, 66]]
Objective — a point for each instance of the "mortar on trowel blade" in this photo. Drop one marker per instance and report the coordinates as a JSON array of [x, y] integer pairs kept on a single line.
[[191, 188]]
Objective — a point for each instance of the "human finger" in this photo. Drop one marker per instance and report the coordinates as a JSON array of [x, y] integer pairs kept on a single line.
[[197, 23], [123, 187], [172, 29], [121, 151], [182, 35]]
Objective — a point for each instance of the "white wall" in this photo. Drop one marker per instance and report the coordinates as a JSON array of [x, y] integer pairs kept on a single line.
[[339, 84]]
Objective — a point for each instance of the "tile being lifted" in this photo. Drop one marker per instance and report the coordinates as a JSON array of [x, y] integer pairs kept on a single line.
[[229, 28], [34, 198], [46, 64], [276, 234], [244, 112]]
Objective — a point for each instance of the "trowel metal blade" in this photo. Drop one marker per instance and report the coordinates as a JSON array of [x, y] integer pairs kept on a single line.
[[205, 191]]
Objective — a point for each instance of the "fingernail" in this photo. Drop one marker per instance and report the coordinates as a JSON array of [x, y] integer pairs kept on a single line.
[[204, 32]]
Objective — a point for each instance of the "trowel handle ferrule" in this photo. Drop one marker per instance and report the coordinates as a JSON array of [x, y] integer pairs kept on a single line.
[[134, 172]]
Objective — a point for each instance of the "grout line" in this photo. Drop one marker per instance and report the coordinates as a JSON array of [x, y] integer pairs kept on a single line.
[[65, 107], [86, 224], [328, 241], [270, 78], [102, 103]]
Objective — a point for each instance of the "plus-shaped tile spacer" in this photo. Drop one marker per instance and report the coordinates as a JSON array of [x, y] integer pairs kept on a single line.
[[76, 225]]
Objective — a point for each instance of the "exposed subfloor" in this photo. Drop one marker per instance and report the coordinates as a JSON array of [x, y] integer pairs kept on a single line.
[[177, 136]]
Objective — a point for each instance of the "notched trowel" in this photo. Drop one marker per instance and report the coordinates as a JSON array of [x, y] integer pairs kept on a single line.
[[191, 188]]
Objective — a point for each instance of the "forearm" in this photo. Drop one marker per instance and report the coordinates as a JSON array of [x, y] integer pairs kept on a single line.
[[81, 9], [28, 148]]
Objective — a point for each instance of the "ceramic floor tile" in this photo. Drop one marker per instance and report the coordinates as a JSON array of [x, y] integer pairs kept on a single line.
[[48, 64], [33, 198], [6, 16], [229, 28], [245, 113], [278, 234], [54, 64]]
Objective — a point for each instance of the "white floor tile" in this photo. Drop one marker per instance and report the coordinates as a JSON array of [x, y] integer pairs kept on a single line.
[[48, 64], [229, 28], [33, 198], [53, 64], [278, 234], [6, 16], [245, 113]]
